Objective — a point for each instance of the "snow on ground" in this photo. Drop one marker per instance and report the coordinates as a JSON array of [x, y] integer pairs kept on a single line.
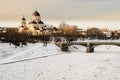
[[30, 51], [103, 64], [65, 67]]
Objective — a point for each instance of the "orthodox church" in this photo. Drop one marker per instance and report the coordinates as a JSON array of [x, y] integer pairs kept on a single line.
[[35, 26]]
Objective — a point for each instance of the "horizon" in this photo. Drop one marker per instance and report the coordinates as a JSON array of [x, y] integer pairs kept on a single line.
[[80, 24]]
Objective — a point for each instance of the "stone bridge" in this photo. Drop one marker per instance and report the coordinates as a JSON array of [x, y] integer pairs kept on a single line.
[[89, 45]]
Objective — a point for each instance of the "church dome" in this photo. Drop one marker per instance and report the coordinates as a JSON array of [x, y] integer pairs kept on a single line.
[[36, 13], [23, 18]]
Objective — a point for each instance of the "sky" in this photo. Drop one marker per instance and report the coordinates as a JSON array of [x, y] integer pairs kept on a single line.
[[77, 12]]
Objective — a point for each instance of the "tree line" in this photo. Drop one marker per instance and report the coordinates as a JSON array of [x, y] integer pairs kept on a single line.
[[69, 32]]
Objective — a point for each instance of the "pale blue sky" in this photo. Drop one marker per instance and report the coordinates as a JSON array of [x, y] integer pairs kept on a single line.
[[58, 10]]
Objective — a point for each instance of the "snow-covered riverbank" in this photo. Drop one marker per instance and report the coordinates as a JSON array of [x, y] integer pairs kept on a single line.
[[10, 53], [103, 64]]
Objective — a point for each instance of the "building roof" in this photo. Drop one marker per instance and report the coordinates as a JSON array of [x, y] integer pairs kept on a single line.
[[22, 26], [32, 22], [40, 22], [36, 13], [23, 18]]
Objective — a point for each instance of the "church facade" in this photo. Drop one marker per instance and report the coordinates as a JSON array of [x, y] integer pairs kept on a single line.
[[36, 26]]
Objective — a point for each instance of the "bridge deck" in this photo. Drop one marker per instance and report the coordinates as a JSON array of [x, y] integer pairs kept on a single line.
[[90, 45], [94, 42]]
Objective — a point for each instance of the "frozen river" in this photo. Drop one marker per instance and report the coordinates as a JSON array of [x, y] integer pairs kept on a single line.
[[103, 64]]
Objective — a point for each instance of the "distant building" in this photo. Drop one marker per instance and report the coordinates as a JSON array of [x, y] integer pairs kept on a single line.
[[106, 32], [2, 29], [36, 26], [81, 32]]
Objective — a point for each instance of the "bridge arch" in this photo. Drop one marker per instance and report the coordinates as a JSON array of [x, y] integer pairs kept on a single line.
[[96, 45], [65, 46], [76, 47], [107, 49]]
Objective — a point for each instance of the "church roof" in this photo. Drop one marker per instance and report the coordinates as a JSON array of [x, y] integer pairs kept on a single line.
[[23, 18], [40, 22], [36, 13], [21, 26], [33, 22]]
